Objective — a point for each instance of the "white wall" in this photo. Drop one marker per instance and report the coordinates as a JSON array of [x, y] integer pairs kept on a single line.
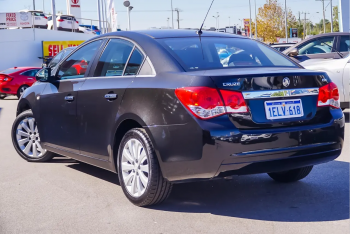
[[22, 47], [344, 17]]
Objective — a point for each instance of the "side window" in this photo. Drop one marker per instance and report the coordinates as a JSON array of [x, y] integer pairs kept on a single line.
[[134, 63], [146, 69], [27, 73], [114, 58], [318, 46], [33, 72], [76, 64], [344, 44]]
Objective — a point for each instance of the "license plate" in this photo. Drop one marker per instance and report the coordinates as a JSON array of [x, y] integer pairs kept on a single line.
[[284, 109], [37, 18], [70, 22]]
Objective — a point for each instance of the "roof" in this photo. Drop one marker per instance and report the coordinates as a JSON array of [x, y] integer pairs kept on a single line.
[[166, 33]]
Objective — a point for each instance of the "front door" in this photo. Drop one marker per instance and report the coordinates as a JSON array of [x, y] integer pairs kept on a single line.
[[318, 48], [58, 124], [101, 94]]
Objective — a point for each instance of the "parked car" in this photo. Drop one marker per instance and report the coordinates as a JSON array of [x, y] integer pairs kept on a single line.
[[339, 72], [86, 30], [323, 46], [94, 28], [281, 46], [64, 23], [61, 55], [39, 18], [154, 105], [14, 81]]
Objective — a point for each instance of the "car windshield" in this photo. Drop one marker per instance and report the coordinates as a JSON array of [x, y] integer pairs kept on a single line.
[[219, 52], [9, 71]]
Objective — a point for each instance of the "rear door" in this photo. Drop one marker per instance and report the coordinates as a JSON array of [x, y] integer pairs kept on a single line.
[[28, 77], [101, 94], [58, 123]]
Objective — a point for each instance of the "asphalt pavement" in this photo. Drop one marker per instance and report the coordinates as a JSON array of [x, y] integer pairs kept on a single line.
[[65, 196]]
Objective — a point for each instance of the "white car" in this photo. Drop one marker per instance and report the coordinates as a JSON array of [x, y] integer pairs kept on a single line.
[[64, 23], [86, 30], [339, 72], [39, 18]]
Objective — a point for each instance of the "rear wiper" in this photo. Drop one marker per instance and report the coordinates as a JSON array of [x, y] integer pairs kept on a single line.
[[331, 47]]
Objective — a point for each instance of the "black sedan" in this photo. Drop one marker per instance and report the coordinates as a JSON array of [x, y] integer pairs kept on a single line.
[[158, 107]]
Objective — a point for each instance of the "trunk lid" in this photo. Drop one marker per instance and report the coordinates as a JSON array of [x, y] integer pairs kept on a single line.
[[275, 97]]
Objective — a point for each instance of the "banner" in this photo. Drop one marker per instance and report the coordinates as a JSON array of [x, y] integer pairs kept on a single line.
[[51, 48], [112, 16], [16, 20], [247, 27], [73, 8], [293, 33]]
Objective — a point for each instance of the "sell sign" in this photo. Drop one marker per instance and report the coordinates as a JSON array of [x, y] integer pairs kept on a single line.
[[16, 20], [51, 48]]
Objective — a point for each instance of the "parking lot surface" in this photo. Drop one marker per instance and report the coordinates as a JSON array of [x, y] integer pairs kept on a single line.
[[65, 196]]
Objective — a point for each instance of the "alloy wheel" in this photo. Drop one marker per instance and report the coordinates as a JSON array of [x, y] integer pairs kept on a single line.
[[135, 167], [28, 138], [22, 89]]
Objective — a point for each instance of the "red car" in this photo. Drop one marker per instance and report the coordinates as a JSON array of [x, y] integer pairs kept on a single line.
[[14, 81]]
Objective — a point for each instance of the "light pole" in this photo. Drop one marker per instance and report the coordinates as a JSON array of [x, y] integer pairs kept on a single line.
[[217, 20], [127, 4], [286, 13], [256, 23], [250, 20], [331, 16], [229, 22], [53, 8], [99, 15], [172, 14], [34, 5], [167, 21]]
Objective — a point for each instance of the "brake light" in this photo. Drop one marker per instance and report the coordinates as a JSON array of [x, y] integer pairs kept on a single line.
[[206, 103], [329, 96], [60, 20], [45, 17], [5, 78], [77, 22], [234, 101]]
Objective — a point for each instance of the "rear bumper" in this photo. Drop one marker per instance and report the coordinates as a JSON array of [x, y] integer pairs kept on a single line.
[[224, 150]]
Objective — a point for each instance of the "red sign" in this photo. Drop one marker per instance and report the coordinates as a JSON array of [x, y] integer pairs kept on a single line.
[[11, 19]]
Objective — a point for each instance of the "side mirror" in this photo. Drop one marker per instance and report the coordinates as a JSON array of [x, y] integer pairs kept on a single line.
[[44, 75], [294, 52]]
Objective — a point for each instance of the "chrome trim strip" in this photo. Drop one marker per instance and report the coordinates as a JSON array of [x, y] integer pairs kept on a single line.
[[279, 93]]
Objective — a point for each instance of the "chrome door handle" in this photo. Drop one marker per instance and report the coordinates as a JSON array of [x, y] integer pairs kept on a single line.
[[69, 98], [29, 78], [111, 96]]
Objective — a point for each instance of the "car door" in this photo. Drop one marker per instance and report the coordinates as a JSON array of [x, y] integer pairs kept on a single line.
[[28, 77], [101, 94], [346, 82], [344, 45], [58, 124], [318, 48]]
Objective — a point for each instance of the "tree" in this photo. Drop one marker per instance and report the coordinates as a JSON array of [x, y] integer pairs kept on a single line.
[[335, 19], [271, 21]]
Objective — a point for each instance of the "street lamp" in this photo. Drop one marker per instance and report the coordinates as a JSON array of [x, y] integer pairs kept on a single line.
[[167, 22], [217, 20], [127, 5]]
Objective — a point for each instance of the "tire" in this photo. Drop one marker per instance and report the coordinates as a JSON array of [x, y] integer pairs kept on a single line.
[[291, 175], [21, 90], [25, 150], [157, 189]]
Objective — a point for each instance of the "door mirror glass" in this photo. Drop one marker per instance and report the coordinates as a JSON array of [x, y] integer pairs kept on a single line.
[[44, 75], [294, 52]]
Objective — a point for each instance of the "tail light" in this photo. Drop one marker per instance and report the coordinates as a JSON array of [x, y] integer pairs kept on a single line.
[[45, 17], [60, 20], [5, 78], [329, 96], [77, 22], [206, 103]]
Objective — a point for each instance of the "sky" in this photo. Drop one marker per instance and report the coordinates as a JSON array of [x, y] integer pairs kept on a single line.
[[154, 13]]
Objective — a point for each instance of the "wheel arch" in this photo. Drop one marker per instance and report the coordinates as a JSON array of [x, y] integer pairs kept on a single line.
[[23, 105], [126, 123]]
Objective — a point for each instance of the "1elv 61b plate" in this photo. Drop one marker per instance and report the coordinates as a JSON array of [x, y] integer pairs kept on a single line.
[[284, 109]]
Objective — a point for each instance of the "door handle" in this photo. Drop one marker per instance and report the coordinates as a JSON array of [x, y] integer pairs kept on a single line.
[[111, 96], [30, 78], [69, 98]]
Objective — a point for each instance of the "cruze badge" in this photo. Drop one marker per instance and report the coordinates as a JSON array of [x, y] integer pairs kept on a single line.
[[286, 81], [232, 84]]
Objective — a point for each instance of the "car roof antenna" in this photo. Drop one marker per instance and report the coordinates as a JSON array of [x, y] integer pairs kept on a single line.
[[199, 32]]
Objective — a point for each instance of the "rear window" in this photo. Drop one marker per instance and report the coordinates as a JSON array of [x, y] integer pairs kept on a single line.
[[38, 14], [218, 52], [9, 71]]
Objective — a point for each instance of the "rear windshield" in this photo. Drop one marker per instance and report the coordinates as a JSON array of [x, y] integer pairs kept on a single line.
[[38, 14], [218, 52], [9, 71]]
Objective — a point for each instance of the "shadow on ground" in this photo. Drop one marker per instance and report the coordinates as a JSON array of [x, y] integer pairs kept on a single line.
[[322, 196]]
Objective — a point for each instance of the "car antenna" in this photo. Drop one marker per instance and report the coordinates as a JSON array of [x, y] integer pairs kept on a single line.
[[199, 32]]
